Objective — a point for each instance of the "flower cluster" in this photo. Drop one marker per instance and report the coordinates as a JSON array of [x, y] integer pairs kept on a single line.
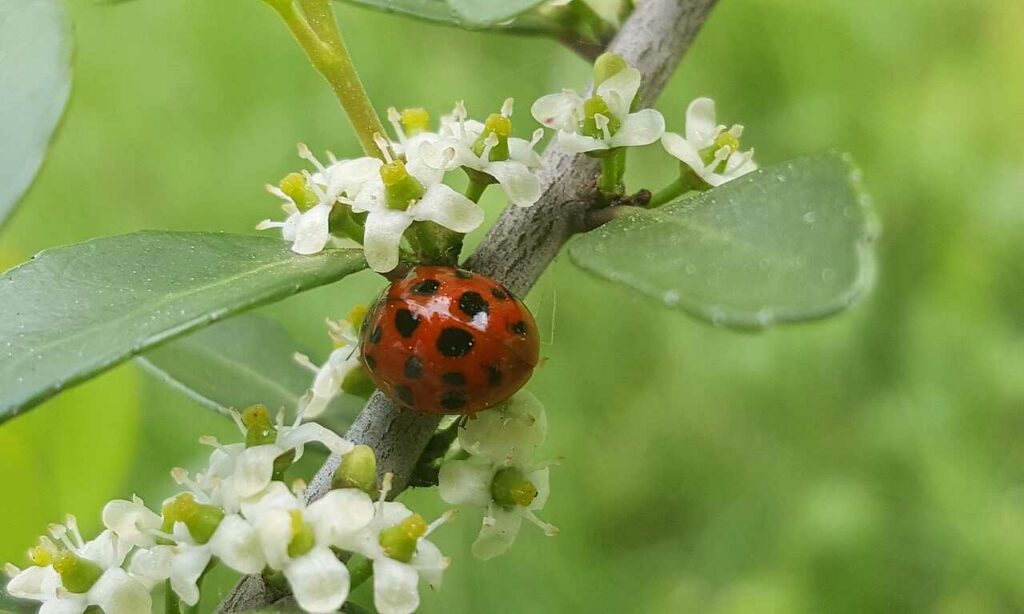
[[398, 206], [239, 512], [380, 202]]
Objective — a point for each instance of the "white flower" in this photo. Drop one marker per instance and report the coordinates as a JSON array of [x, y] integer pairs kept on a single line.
[[386, 224], [710, 149], [254, 465], [498, 476], [76, 574], [227, 536], [609, 110], [297, 539], [514, 170], [395, 540], [309, 230], [331, 375]]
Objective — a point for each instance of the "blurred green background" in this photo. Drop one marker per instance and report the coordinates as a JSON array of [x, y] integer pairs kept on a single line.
[[869, 463]]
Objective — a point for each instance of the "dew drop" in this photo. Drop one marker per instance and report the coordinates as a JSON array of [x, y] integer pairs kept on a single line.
[[671, 298], [809, 217]]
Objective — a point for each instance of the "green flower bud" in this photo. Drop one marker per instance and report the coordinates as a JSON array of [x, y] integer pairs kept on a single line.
[[606, 66], [303, 539], [414, 121], [358, 469], [400, 188], [358, 383], [76, 574], [399, 542], [259, 427], [201, 519], [294, 187], [510, 488]]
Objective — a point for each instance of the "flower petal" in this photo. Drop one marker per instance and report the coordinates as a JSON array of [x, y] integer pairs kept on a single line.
[[683, 150], [619, 90], [349, 176], [276, 496], [540, 480], [700, 122], [119, 593], [430, 563], [384, 229], [500, 528], [275, 533], [640, 128], [508, 432], [254, 469], [236, 543], [465, 482], [187, 565], [312, 231], [577, 143], [558, 111], [131, 521], [70, 604], [520, 185], [296, 438], [395, 588], [448, 208], [339, 514], [35, 583], [319, 581], [522, 150]]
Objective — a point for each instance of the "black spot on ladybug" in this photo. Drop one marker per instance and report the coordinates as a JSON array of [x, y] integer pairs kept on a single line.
[[463, 274], [413, 367], [427, 287], [454, 342], [519, 328], [454, 378], [499, 293], [404, 394], [471, 303], [493, 375], [376, 334], [371, 362], [406, 322], [453, 400]]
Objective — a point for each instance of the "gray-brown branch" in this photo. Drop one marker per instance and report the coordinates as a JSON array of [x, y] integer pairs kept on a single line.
[[516, 251]]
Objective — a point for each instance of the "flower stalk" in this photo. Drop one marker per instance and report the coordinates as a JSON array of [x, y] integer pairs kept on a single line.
[[316, 31]]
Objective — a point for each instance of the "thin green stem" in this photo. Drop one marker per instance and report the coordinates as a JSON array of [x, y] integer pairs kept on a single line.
[[670, 192], [317, 33], [613, 167]]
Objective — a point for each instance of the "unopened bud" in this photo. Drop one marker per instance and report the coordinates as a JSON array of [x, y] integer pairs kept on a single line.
[[606, 66], [358, 469]]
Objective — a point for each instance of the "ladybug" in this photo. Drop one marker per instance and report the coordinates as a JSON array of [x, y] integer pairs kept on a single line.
[[447, 341]]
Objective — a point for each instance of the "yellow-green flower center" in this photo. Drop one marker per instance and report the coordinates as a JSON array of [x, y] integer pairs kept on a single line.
[[294, 187], [303, 538], [414, 121], [201, 519], [399, 542], [400, 188], [510, 488], [77, 575], [260, 429]]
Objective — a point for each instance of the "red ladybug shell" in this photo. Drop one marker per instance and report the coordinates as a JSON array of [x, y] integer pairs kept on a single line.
[[448, 341]]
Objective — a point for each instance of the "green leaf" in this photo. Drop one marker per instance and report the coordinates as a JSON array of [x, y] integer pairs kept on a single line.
[[240, 362], [787, 243], [463, 13], [35, 58], [73, 312]]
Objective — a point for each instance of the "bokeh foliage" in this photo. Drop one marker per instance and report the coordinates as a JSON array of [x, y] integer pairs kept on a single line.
[[866, 463]]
